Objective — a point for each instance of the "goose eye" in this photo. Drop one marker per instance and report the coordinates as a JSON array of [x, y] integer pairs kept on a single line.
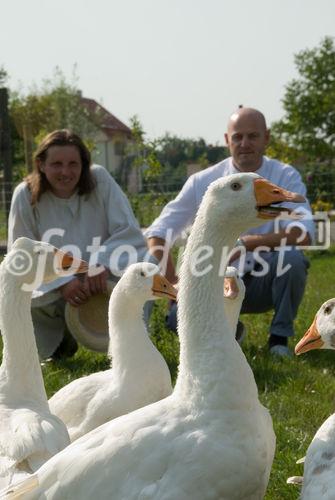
[[236, 186], [142, 274], [327, 310]]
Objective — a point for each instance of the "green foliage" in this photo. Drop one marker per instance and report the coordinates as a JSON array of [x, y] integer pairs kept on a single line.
[[307, 130], [3, 76], [305, 136], [163, 161], [321, 206], [176, 154], [3, 227], [165, 340], [174, 151], [55, 105], [147, 206], [278, 148], [142, 152]]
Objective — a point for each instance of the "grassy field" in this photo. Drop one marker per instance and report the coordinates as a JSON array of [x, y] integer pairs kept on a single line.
[[299, 392]]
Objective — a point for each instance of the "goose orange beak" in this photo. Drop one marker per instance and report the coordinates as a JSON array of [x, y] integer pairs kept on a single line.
[[267, 193], [311, 340], [67, 264], [162, 288]]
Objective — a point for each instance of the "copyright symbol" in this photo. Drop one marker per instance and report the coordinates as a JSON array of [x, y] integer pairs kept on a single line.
[[20, 264]]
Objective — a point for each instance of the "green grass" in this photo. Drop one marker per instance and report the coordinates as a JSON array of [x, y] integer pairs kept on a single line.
[[299, 393], [3, 226]]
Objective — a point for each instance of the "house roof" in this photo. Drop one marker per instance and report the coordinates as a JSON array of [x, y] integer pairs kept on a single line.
[[108, 122]]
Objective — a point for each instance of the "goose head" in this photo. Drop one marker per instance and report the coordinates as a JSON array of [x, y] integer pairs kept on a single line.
[[321, 333], [245, 198], [234, 288], [29, 259], [144, 281]]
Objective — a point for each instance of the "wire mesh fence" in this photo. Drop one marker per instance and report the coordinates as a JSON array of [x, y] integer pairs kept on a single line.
[[320, 185], [148, 203]]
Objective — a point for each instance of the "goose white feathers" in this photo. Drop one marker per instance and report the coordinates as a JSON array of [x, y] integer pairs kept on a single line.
[[211, 438], [29, 433], [139, 374], [319, 465]]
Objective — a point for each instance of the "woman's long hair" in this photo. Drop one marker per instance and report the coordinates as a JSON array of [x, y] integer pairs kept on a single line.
[[37, 181]]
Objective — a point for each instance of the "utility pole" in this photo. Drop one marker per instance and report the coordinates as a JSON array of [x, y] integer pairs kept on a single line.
[[5, 148]]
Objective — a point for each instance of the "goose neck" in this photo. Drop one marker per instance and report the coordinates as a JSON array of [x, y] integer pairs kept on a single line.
[[20, 367], [208, 350], [127, 331]]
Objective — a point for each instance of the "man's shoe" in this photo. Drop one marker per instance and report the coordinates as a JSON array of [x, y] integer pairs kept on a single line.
[[281, 351], [240, 332], [66, 349]]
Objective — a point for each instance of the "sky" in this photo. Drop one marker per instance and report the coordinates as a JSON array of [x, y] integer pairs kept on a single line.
[[181, 66]]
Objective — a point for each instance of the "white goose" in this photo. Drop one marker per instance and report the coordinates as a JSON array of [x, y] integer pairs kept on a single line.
[[139, 375], [29, 434], [319, 466], [211, 438]]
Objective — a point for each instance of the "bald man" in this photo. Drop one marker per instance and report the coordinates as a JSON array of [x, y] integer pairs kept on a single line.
[[267, 286]]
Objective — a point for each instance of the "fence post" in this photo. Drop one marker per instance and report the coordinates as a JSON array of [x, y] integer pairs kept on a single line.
[[5, 148]]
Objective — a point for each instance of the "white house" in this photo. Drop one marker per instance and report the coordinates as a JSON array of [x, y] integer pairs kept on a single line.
[[111, 139]]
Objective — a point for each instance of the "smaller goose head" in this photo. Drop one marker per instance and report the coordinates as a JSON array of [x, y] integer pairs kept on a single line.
[[145, 281], [234, 288], [29, 260], [234, 291], [321, 333]]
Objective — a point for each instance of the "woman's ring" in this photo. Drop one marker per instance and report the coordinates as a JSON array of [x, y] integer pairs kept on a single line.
[[77, 298]]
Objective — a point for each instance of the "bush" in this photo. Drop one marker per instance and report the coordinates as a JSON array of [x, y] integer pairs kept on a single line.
[[147, 206]]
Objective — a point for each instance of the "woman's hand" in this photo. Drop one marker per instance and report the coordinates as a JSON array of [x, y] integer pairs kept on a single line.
[[97, 282], [76, 292]]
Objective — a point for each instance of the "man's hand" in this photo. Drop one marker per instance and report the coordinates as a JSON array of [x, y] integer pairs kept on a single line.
[[235, 254], [76, 292], [271, 240]]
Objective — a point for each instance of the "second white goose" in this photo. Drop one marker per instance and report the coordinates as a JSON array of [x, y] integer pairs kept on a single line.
[[139, 374]]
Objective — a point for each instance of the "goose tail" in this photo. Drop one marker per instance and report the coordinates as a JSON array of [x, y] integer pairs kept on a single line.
[[18, 490]]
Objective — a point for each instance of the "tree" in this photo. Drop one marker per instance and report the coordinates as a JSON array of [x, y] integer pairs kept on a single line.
[[163, 161], [3, 76], [174, 151], [307, 131], [141, 157], [57, 104]]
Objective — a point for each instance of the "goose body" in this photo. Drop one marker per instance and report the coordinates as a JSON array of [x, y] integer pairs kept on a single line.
[[139, 375], [29, 433], [319, 465], [211, 438]]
